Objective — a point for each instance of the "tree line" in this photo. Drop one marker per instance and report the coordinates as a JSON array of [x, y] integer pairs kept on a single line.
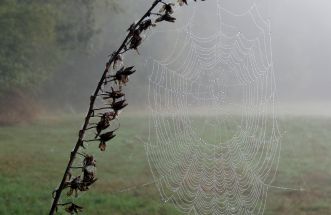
[[39, 42]]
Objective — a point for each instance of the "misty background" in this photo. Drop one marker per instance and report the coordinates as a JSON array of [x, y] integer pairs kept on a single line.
[[300, 41]]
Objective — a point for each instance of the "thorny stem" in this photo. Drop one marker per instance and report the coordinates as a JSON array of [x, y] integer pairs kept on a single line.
[[90, 113]]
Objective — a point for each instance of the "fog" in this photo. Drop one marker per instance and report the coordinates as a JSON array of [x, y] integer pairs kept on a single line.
[[300, 33], [300, 48]]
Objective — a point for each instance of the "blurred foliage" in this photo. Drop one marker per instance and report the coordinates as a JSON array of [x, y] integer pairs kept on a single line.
[[28, 32], [38, 35], [41, 43], [69, 88]]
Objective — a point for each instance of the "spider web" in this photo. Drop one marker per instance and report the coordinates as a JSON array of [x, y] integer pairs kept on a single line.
[[213, 142]]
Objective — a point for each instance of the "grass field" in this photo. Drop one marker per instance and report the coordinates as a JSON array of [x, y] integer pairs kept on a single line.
[[33, 157]]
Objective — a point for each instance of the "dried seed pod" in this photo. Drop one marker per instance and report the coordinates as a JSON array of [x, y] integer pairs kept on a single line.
[[104, 122], [73, 209], [122, 76], [74, 186], [113, 94], [89, 174], [89, 177], [136, 40], [167, 8], [146, 25], [165, 17], [89, 160], [102, 146], [104, 138], [110, 115], [128, 71], [107, 136], [118, 61], [182, 2], [117, 106], [132, 27]]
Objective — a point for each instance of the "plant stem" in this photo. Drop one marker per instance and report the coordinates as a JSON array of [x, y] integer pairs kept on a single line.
[[91, 112]]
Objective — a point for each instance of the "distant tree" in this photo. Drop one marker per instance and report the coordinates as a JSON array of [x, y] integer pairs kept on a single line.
[[27, 39], [36, 36], [70, 86]]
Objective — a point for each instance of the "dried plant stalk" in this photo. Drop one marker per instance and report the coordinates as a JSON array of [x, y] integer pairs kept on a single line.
[[132, 41]]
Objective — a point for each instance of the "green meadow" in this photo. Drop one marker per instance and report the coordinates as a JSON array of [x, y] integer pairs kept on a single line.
[[33, 157]]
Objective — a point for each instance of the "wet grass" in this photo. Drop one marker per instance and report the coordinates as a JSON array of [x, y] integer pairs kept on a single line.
[[33, 157]]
